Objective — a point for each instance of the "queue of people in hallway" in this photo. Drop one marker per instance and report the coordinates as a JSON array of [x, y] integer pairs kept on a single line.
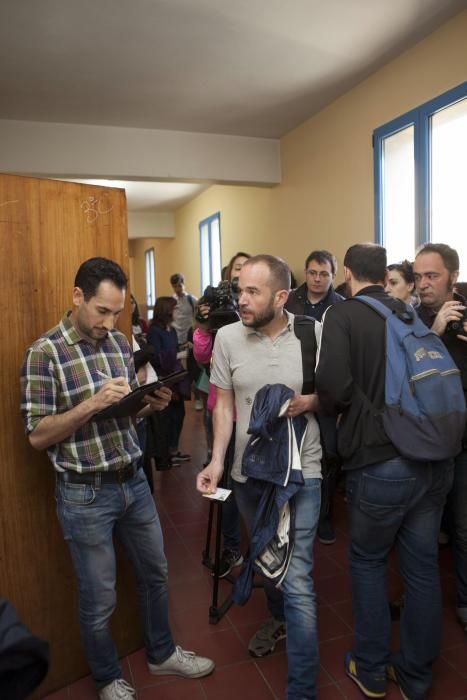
[[328, 356]]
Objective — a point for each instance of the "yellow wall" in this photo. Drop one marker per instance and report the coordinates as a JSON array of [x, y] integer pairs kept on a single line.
[[137, 247], [326, 195], [245, 225]]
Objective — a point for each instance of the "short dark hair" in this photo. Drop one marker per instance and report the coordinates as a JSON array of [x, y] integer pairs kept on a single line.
[[449, 256], [367, 262], [405, 269], [163, 310], [279, 271], [96, 270], [176, 278], [322, 257]]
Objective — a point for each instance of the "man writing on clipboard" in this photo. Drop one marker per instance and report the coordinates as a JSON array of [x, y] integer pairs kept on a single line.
[[71, 373]]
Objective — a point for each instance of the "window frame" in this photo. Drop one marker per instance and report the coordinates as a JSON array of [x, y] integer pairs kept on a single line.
[[208, 221], [150, 277], [419, 118]]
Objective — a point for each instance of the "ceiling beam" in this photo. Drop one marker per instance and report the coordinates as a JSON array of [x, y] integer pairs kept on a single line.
[[78, 150]]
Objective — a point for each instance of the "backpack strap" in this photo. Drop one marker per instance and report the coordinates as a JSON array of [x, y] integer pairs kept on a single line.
[[192, 303], [403, 311], [304, 329]]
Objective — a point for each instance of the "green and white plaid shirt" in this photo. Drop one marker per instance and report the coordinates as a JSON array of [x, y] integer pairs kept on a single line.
[[60, 370]]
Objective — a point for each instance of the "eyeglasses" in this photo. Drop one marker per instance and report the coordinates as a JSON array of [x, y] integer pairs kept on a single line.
[[319, 275]]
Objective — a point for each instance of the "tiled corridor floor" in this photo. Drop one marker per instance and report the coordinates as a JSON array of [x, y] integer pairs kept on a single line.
[[238, 676]]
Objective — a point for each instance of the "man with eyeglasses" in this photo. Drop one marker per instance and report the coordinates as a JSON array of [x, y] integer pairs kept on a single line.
[[436, 270], [312, 298], [316, 294]]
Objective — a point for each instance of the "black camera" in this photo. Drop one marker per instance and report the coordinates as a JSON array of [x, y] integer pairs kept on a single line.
[[457, 327], [223, 305]]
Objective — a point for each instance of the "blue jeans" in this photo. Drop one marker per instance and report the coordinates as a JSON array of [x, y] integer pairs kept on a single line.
[[457, 519], [397, 502], [295, 602], [89, 517]]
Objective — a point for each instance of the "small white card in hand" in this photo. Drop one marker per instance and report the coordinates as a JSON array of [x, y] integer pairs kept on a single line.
[[219, 495]]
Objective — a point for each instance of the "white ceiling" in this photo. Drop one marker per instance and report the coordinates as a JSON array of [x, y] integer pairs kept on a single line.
[[240, 67], [151, 196]]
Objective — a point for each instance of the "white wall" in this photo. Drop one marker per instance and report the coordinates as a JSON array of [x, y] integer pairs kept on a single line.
[[151, 225]]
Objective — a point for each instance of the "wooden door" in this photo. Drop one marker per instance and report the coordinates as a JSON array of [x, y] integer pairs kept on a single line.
[[47, 228]]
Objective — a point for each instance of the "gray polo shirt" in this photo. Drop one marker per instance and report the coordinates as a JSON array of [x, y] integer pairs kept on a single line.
[[244, 360]]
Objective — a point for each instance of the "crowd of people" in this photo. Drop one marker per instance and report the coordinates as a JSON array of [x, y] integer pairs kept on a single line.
[[294, 393]]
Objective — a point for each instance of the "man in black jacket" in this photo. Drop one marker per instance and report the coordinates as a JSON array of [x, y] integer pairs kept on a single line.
[[436, 269], [316, 294], [312, 299], [391, 500]]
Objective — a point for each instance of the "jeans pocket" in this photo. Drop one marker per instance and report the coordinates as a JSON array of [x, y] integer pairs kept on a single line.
[[380, 498], [77, 494]]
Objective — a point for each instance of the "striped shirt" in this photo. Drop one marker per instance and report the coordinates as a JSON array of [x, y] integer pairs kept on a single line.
[[60, 370]]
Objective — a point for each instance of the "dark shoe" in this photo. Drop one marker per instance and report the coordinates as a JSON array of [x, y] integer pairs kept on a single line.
[[326, 532], [163, 467], [180, 457], [370, 687], [174, 461], [229, 560], [391, 676], [264, 640]]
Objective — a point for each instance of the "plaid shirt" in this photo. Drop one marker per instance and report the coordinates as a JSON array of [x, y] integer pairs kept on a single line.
[[60, 371]]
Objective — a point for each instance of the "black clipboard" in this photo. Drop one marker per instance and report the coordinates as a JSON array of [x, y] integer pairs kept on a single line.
[[133, 402]]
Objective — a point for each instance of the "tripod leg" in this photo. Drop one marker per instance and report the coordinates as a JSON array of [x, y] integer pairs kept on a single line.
[[206, 555]]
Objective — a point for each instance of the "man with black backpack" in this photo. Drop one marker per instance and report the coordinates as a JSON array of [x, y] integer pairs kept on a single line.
[[266, 348], [436, 270], [384, 372]]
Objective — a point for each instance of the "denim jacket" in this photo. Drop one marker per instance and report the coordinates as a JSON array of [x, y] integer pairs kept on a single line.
[[271, 462]]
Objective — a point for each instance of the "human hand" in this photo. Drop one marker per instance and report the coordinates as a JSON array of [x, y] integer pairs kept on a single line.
[[301, 403], [450, 311], [209, 477], [159, 400], [111, 392]]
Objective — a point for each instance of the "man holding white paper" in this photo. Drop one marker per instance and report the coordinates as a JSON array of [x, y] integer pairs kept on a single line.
[[264, 349], [78, 368]]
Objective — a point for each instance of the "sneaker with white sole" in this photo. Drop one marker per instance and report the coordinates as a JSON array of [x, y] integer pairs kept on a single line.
[[372, 685], [229, 560], [183, 663], [117, 690], [264, 640]]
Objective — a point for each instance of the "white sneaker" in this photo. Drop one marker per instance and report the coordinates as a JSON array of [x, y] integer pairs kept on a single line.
[[198, 405], [117, 690], [183, 663]]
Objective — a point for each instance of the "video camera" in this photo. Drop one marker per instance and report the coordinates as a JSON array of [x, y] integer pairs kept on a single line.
[[457, 327], [223, 305]]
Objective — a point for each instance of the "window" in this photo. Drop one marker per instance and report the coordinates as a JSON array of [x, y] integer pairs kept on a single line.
[[210, 250], [150, 272], [420, 162]]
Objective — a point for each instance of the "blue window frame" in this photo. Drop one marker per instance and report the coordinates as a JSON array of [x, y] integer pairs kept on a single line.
[[210, 250], [150, 274], [420, 171]]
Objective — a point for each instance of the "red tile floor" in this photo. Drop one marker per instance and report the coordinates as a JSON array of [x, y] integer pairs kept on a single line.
[[183, 516]]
